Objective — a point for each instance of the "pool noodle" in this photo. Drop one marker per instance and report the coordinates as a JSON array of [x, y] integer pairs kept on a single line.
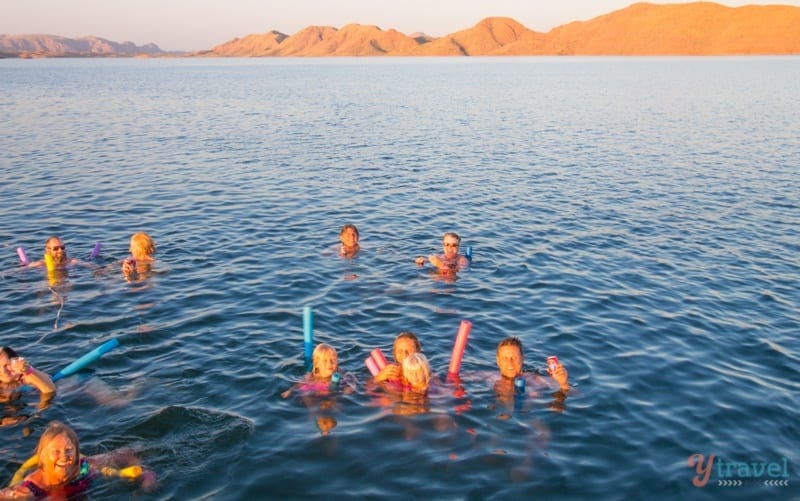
[[458, 347], [86, 359], [96, 250], [380, 360], [308, 335], [23, 258], [372, 366], [49, 263]]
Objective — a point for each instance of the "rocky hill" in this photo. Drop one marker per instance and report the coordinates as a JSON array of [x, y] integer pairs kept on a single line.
[[698, 28], [27, 46]]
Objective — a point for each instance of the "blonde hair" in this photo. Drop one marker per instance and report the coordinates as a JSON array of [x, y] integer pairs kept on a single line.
[[320, 350], [143, 243], [54, 429], [417, 370]]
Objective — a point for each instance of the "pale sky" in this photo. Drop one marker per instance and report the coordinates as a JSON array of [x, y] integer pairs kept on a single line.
[[202, 24]]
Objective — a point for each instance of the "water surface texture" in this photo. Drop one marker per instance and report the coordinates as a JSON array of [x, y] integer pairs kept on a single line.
[[637, 217]]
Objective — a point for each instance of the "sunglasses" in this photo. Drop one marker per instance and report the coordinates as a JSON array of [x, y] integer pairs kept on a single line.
[[57, 247], [448, 244]]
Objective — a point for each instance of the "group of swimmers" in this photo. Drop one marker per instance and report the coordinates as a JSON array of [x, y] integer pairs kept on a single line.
[[411, 370], [59, 470]]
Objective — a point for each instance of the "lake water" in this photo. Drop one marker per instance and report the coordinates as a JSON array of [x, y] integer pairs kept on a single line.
[[637, 217]]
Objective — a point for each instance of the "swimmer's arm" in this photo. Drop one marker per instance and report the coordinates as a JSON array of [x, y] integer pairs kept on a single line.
[[288, 392], [561, 376], [390, 372], [39, 380], [124, 463], [463, 262], [16, 492]]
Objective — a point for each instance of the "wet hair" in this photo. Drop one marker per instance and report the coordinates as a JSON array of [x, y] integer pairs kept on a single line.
[[54, 429], [417, 370], [144, 243], [510, 341], [318, 351], [451, 234], [10, 353], [47, 242], [349, 227], [408, 335]]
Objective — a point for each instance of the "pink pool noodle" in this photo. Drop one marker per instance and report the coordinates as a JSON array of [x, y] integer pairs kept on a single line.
[[372, 366], [380, 360], [458, 347]]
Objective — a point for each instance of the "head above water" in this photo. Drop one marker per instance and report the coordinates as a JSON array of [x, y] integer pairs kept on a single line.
[[58, 453], [142, 245], [7, 375], [405, 344], [325, 361], [510, 357], [450, 243], [55, 248], [417, 371], [348, 235]]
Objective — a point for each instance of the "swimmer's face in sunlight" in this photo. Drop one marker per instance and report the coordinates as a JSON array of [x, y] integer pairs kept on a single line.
[[450, 246], [349, 237], [6, 374], [57, 250], [403, 347], [58, 459], [509, 361], [325, 364]]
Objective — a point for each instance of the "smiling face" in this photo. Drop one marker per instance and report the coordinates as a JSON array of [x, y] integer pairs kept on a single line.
[[403, 347], [6, 374], [56, 249], [450, 244], [509, 361], [325, 362], [349, 237], [58, 459]]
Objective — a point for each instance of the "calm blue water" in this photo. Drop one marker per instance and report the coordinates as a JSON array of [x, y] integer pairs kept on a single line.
[[639, 218]]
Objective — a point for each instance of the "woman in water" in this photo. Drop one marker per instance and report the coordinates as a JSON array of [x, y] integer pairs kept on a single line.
[[16, 372], [62, 473], [406, 343], [348, 236], [139, 264]]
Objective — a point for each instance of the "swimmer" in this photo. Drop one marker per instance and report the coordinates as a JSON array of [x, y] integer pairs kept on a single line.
[[509, 360], [325, 363], [141, 260], [348, 235], [16, 372], [55, 249], [406, 343], [62, 473], [450, 261]]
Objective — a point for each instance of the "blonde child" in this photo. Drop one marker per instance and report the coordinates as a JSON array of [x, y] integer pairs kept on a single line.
[[416, 373], [325, 363]]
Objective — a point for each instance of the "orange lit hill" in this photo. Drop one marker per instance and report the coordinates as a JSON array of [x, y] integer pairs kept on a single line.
[[699, 28]]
